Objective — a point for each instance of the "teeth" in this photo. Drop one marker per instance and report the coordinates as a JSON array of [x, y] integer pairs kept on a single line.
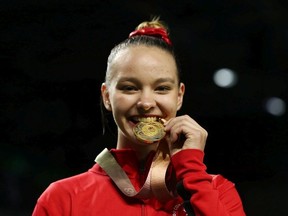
[[147, 119]]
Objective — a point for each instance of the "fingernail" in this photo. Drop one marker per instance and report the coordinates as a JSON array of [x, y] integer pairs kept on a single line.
[[163, 121]]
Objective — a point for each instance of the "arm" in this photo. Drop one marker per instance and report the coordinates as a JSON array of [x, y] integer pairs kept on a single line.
[[209, 195]]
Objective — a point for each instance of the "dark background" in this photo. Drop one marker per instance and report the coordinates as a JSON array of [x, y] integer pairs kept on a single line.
[[53, 60]]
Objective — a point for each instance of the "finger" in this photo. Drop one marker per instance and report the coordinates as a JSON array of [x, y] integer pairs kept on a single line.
[[194, 135]]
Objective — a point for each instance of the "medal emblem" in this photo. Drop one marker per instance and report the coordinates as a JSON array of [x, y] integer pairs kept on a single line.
[[149, 132]]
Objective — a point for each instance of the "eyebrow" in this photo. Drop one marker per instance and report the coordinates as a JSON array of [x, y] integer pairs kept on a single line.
[[135, 80], [161, 80]]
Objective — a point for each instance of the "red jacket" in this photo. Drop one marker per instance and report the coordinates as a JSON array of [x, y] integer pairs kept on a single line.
[[93, 192]]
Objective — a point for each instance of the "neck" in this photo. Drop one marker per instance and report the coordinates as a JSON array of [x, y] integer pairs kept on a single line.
[[142, 150]]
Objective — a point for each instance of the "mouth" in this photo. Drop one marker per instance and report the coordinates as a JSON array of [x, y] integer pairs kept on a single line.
[[149, 129], [135, 120]]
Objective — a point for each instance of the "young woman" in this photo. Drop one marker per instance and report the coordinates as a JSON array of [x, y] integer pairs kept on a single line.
[[157, 167]]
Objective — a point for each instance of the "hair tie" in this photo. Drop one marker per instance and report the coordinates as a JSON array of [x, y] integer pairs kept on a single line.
[[156, 32]]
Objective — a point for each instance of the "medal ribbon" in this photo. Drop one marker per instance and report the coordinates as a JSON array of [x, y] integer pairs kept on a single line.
[[155, 182]]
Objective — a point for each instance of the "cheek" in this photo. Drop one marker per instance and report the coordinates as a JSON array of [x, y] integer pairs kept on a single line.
[[121, 103], [170, 105]]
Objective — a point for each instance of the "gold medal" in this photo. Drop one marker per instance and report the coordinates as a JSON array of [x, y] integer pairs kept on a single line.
[[149, 132]]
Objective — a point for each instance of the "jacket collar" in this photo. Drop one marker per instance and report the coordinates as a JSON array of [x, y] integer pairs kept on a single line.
[[127, 159]]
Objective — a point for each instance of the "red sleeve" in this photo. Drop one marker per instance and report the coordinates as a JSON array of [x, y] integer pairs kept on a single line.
[[54, 201], [210, 195]]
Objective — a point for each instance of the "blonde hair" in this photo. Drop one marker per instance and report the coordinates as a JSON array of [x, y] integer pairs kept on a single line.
[[154, 23]]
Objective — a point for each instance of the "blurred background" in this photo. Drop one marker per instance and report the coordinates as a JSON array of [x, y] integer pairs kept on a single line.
[[53, 60]]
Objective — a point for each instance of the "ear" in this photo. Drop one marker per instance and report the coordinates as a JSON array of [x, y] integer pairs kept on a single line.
[[181, 92], [105, 97]]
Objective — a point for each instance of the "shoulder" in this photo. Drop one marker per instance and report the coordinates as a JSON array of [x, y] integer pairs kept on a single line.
[[64, 195], [65, 187], [77, 183], [71, 186]]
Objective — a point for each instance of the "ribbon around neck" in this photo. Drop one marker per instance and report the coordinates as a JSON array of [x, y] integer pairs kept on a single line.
[[155, 182]]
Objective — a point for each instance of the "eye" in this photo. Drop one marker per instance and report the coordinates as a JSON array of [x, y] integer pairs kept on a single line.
[[128, 88], [163, 89]]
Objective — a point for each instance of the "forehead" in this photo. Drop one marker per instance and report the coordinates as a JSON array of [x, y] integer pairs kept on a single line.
[[144, 60]]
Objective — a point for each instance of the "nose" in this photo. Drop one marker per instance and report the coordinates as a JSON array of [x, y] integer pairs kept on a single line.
[[146, 102]]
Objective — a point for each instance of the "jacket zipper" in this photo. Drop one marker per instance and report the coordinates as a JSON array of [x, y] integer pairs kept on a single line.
[[143, 210]]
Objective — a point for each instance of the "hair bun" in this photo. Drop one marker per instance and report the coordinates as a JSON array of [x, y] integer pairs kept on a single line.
[[153, 28], [154, 23]]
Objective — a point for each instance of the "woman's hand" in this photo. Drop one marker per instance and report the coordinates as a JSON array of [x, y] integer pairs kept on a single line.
[[183, 132]]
